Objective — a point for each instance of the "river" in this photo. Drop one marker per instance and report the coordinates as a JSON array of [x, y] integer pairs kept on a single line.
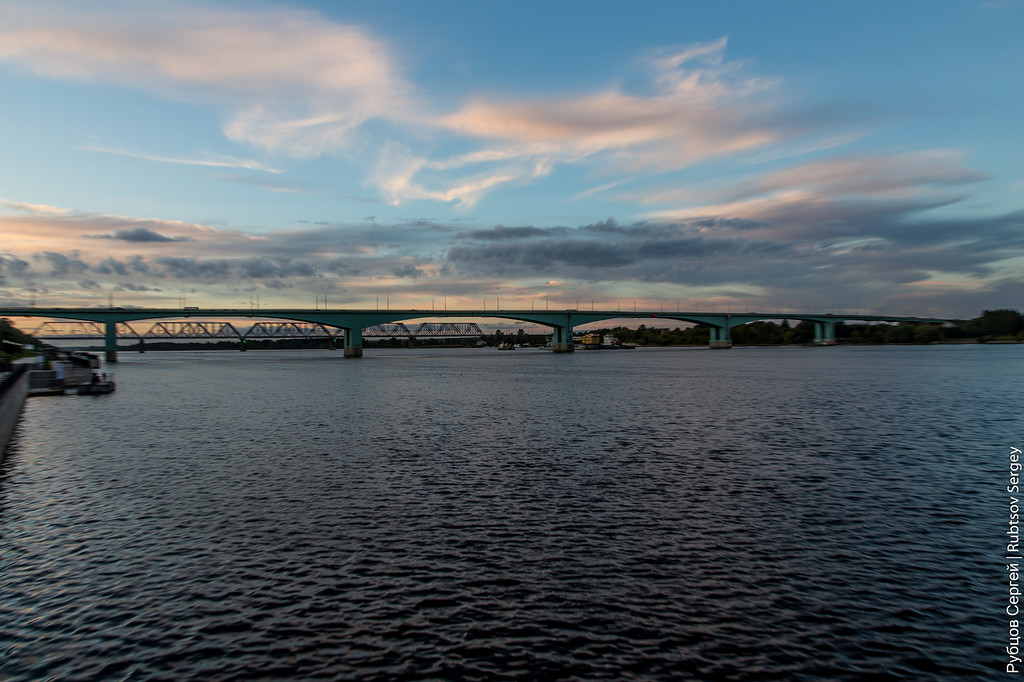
[[756, 513]]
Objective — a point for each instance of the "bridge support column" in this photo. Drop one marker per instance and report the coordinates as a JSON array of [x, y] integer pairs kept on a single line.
[[561, 339], [110, 336], [720, 337], [353, 343], [142, 345], [824, 333]]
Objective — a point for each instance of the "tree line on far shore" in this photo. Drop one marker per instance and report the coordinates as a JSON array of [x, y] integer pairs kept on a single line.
[[991, 326]]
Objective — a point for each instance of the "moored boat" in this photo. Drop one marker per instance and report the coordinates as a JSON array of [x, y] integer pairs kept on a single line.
[[101, 383]]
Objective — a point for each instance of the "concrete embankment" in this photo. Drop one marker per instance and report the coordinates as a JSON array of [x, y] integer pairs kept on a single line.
[[13, 391]]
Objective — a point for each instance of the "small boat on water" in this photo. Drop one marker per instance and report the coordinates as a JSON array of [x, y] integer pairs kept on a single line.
[[101, 383]]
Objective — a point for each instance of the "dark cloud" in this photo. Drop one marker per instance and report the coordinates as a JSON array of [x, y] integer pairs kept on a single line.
[[183, 268], [503, 258], [502, 233], [64, 265], [141, 234], [608, 246], [264, 268], [340, 267], [130, 286], [408, 270], [138, 264], [707, 247], [976, 234], [424, 223], [111, 266], [13, 265], [731, 223], [260, 268], [608, 225]]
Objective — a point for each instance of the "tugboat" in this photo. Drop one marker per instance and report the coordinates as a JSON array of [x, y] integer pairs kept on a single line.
[[101, 383]]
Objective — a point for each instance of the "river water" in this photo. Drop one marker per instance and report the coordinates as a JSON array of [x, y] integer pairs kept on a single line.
[[773, 513]]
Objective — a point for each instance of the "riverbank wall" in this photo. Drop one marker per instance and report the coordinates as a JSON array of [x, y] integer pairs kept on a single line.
[[13, 391]]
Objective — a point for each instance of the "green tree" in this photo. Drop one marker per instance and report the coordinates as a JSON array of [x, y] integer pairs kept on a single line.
[[927, 333], [804, 331], [903, 333], [1001, 322]]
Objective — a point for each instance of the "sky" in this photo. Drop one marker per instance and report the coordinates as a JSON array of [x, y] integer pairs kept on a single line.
[[784, 156]]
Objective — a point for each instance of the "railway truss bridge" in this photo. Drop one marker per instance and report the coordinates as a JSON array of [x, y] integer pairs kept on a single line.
[[212, 330]]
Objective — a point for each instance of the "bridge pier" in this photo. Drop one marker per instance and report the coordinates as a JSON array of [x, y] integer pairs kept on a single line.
[[142, 345], [353, 343], [824, 333], [110, 336], [720, 337], [561, 339]]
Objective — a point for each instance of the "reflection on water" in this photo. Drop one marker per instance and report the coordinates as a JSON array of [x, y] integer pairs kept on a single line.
[[655, 514]]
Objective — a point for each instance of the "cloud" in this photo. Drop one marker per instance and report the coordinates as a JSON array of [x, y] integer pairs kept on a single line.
[[214, 162], [276, 185], [194, 268], [13, 265], [841, 196], [865, 248], [63, 264], [694, 113], [408, 270], [131, 286], [696, 107], [111, 266], [590, 254], [297, 83], [291, 81], [261, 268], [502, 233], [882, 176], [816, 232], [30, 228], [148, 250], [140, 234]]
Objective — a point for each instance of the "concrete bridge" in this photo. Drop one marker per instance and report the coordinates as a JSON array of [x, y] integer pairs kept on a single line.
[[353, 322]]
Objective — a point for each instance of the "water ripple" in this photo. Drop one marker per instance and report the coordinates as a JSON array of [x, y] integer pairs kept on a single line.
[[757, 514]]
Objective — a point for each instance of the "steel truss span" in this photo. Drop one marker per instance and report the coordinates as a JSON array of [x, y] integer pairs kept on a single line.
[[260, 330]]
